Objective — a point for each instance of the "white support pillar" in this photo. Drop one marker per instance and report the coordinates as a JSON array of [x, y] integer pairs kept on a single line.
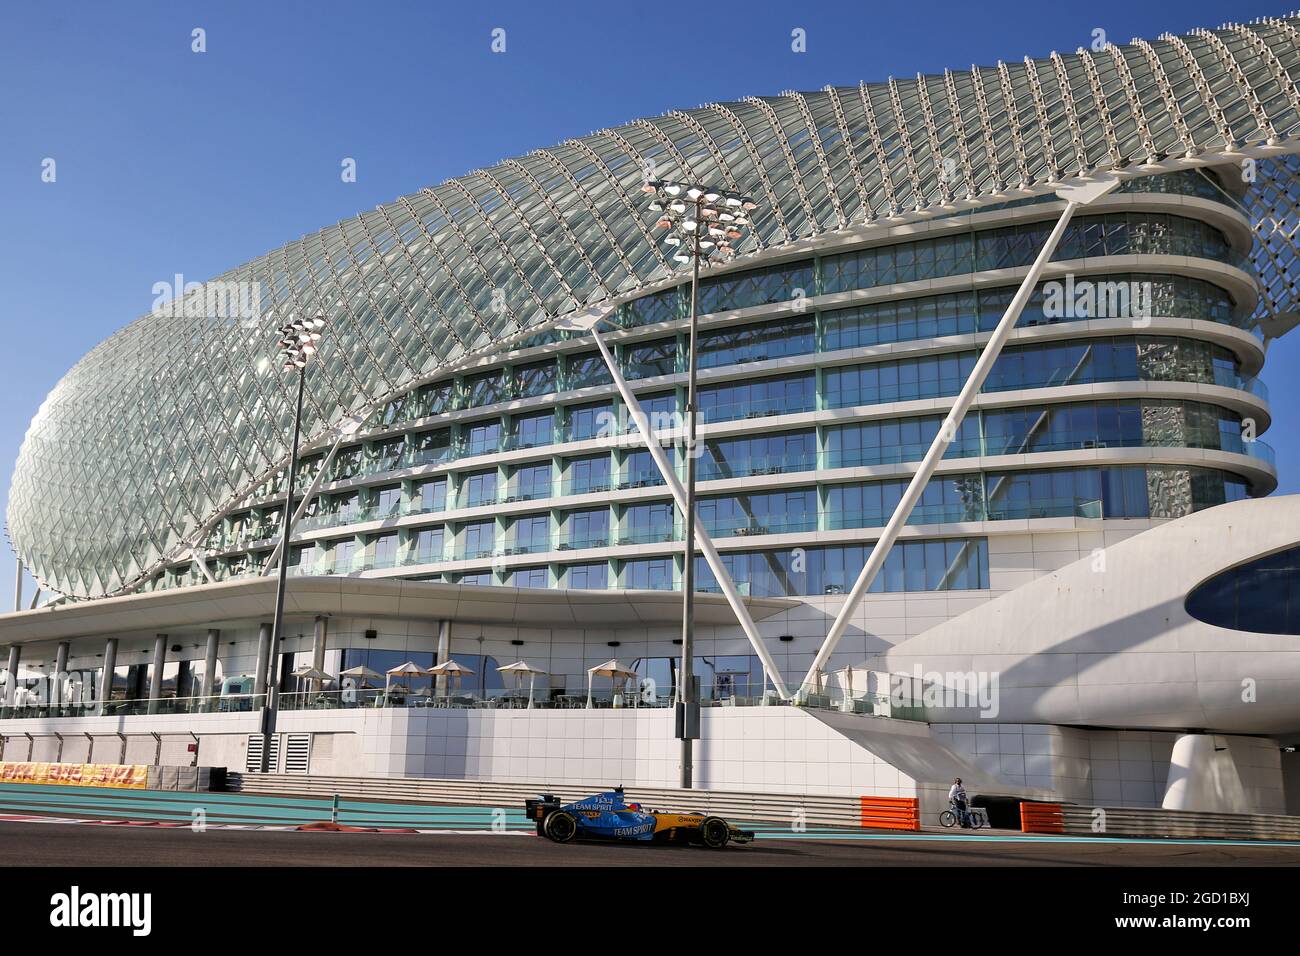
[[589, 322], [1204, 777], [319, 637], [106, 675], [444, 655], [11, 675], [1077, 194], [156, 679], [263, 658], [60, 676], [18, 585], [209, 668]]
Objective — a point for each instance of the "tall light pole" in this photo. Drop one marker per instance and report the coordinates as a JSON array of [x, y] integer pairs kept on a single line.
[[298, 342], [703, 224]]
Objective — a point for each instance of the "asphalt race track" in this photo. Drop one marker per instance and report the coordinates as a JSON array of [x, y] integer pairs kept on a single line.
[[59, 844]]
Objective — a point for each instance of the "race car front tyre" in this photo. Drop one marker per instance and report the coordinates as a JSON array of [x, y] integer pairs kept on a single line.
[[560, 826], [714, 833]]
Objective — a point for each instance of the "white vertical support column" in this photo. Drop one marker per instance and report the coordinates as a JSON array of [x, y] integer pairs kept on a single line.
[[156, 680], [106, 675], [60, 676], [18, 584], [444, 654], [702, 539], [263, 658], [209, 668], [319, 635], [1075, 195], [11, 675]]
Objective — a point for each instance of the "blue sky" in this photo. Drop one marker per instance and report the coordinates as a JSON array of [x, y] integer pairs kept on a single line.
[[170, 161]]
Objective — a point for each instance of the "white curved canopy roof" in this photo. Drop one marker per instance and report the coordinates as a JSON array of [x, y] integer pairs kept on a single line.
[[166, 424]]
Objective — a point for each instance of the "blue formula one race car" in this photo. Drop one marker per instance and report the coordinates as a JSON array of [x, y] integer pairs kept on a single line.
[[609, 816]]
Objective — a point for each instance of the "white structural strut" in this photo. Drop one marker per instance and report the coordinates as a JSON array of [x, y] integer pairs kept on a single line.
[[588, 322], [201, 563], [1076, 194]]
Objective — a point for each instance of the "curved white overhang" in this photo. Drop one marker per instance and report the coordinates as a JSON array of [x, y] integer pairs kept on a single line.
[[250, 602], [1107, 641]]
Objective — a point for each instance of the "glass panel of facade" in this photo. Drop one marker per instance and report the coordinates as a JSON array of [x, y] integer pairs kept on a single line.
[[776, 512], [943, 565], [760, 455], [589, 577], [648, 574], [1260, 596]]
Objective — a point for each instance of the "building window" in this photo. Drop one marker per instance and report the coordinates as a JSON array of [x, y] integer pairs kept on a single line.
[[478, 539], [428, 545], [483, 438], [757, 343], [488, 388], [589, 421], [651, 358], [538, 379], [531, 534], [779, 512], [343, 553], [648, 524], [431, 495], [585, 475], [759, 399], [431, 448], [648, 574], [530, 578], [586, 529], [584, 371], [640, 471], [478, 489], [383, 551], [532, 481], [1261, 596], [947, 564], [530, 431], [587, 577], [386, 501], [763, 455]]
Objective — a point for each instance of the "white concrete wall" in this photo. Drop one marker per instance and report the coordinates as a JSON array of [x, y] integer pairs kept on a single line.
[[772, 750]]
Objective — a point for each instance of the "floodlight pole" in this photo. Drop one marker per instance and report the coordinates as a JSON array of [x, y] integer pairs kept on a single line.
[[1076, 194], [269, 706], [688, 701]]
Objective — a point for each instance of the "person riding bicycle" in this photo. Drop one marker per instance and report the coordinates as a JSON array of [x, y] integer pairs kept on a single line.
[[957, 798]]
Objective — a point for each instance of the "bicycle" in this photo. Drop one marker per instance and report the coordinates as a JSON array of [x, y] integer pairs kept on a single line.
[[977, 816]]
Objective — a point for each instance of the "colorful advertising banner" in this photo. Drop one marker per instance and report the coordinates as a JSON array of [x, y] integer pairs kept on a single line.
[[126, 776]]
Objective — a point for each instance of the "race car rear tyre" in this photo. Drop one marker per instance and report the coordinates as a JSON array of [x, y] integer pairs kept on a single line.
[[714, 833], [560, 826]]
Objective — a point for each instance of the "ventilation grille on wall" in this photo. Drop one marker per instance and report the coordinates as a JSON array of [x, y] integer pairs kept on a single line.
[[297, 753], [253, 762]]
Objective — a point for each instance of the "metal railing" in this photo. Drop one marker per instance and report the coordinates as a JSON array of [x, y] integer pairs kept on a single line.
[[214, 704]]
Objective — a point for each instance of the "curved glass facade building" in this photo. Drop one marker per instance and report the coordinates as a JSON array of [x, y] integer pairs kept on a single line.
[[453, 433]]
